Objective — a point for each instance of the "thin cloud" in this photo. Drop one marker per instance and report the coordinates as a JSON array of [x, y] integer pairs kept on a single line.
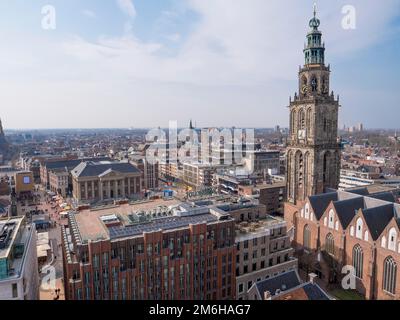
[[89, 13], [127, 7]]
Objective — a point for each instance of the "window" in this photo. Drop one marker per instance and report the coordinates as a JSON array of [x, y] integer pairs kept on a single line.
[[331, 220], [15, 290], [359, 228], [352, 231], [383, 242], [240, 287], [249, 284], [366, 235], [330, 244], [358, 260], [392, 239], [389, 275], [325, 221], [307, 236]]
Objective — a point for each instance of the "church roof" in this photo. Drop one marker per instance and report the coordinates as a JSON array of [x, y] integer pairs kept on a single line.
[[378, 218], [320, 202], [347, 209]]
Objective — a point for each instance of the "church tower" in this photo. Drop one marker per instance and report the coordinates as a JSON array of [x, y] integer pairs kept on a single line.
[[313, 154], [1, 129]]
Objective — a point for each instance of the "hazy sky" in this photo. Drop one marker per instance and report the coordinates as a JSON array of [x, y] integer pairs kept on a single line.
[[141, 63]]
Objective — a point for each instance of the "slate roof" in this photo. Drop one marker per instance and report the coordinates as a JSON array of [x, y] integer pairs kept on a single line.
[[321, 201], [386, 196], [284, 281], [360, 191], [378, 218], [94, 169], [289, 284], [347, 209], [70, 164], [314, 292]]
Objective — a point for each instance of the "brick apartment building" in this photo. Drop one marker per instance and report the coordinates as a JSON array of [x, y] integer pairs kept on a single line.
[[151, 251]]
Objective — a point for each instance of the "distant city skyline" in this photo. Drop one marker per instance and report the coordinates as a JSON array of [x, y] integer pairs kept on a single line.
[[139, 64]]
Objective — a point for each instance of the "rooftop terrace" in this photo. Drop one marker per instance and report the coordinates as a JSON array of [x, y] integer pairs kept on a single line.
[[130, 220]]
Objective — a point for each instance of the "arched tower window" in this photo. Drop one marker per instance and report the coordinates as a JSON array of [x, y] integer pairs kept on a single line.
[[307, 237], [302, 120], [358, 260], [307, 174], [300, 164], [290, 175], [314, 84], [293, 117], [330, 244], [308, 122], [389, 275], [325, 87]]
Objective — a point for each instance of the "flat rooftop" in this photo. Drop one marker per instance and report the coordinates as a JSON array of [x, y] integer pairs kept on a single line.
[[130, 220], [16, 236], [247, 230], [91, 227], [8, 233]]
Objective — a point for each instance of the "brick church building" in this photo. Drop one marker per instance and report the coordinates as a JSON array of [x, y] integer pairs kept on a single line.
[[331, 228]]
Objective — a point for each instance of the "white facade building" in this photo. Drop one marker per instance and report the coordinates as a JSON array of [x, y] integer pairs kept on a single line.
[[19, 277]]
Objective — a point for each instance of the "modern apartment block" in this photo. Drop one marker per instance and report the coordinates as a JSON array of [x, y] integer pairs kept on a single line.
[[19, 278], [199, 175], [263, 250], [159, 250], [273, 197], [150, 173]]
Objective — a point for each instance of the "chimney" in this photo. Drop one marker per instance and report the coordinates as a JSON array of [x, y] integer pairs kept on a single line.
[[312, 277], [267, 295]]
